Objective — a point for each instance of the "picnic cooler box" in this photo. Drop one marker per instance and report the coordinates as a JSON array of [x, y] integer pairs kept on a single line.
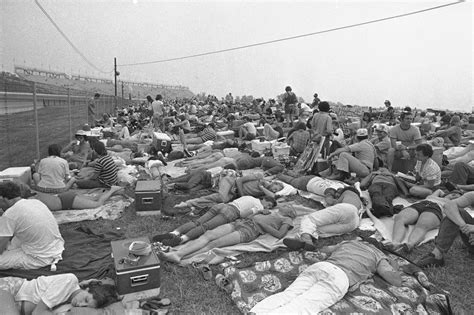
[[148, 196], [280, 150], [261, 146], [142, 276], [161, 142], [22, 174]]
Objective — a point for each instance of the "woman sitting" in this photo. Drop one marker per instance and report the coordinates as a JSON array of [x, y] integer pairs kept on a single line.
[[41, 295], [76, 151], [52, 175], [427, 173], [105, 170], [451, 135]]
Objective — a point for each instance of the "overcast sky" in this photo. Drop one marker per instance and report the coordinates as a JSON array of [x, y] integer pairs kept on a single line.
[[422, 60]]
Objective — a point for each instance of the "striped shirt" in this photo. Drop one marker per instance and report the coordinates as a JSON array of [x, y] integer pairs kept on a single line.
[[429, 171], [107, 170], [208, 134]]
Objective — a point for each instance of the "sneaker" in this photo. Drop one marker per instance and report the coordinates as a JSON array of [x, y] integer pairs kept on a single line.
[[430, 261], [174, 241], [162, 237]]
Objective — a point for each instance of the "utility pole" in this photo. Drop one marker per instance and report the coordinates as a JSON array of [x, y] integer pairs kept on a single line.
[[116, 74]]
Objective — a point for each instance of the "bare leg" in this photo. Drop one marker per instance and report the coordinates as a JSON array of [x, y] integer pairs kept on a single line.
[[405, 217], [82, 202], [426, 222], [71, 182], [182, 138], [7, 301], [228, 239], [36, 178]]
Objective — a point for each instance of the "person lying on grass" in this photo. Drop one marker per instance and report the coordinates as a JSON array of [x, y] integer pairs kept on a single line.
[[70, 200], [275, 223], [425, 214], [41, 295], [219, 214], [326, 282]]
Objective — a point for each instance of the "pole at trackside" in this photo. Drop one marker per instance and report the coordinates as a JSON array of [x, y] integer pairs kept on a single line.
[[36, 122]]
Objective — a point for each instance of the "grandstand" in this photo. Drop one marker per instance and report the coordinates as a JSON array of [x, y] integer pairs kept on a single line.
[[59, 82]]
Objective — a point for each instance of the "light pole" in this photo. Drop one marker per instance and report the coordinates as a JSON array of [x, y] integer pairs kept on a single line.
[[116, 74]]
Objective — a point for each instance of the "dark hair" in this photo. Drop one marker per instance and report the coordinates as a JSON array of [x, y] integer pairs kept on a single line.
[[158, 97], [422, 114], [230, 166], [54, 149], [288, 89], [149, 98], [360, 138], [330, 191], [324, 107], [99, 148], [96, 95], [407, 109], [387, 102], [103, 294], [425, 148], [254, 154], [212, 125], [300, 126], [270, 199], [9, 190], [389, 108], [404, 114]]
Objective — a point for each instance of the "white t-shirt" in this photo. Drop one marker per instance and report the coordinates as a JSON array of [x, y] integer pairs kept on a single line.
[[250, 128], [157, 107], [318, 185], [53, 171], [52, 290], [247, 205], [34, 227]]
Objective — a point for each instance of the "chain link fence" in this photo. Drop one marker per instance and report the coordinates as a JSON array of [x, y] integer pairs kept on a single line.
[[35, 115]]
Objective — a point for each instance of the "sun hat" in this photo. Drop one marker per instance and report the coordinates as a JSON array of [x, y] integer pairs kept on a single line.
[[81, 132], [362, 132], [382, 127]]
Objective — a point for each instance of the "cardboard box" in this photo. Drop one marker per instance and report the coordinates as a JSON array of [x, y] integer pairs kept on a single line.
[[142, 276], [22, 174], [148, 197]]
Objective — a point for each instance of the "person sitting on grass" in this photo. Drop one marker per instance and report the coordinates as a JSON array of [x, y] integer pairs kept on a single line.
[[105, 169], [207, 134], [456, 222], [340, 217], [52, 175], [29, 233], [247, 131], [326, 282], [427, 173], [41, 295], [70, 200], [76, 151], [426, 215], [217, 215], [246, 230]]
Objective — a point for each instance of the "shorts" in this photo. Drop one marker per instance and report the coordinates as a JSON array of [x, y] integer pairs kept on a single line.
[[428, 206], [67, 199], [290, 109], [248, 230]]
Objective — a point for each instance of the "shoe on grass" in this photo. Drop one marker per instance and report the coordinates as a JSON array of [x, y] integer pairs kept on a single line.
[[174, 241], [162, 237], [430, 261]]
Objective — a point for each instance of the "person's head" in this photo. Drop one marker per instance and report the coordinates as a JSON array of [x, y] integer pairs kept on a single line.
[[406, 119], [300, 126], [289, 212], [9, 190], [324, 107], [95, 295], [246, 119], [230, 166], [288, 89], [423, 152], [381, 131], [54, 149], [362, 134], [366, 116], [275, 187], [453, 195], [99, 148], [330, 196], [158, 97], [423, 114], [149, 98], [96, 95], [315, 95], [268, 202], [387, 103], [455, 121], [81, 135]]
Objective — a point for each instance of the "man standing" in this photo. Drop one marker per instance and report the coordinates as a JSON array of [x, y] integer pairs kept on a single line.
[[289, 100], [457, 220], [157, 107], [316, 101], [404, 139], [29, 233], [91, 109]]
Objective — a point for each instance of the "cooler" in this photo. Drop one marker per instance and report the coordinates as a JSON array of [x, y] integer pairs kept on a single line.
[[22, 174], [141, 276], [161, 142], [261, 146], [148, 196], [280, 150]]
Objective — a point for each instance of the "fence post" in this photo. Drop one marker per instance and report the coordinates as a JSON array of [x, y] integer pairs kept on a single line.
[[69, 112], [35, 105]]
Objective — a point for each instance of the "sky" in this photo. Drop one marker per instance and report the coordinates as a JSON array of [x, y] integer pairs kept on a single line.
[[423, 60]]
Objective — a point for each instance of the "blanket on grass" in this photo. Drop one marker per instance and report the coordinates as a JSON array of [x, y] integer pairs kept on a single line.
[[253, 283], [87, 255]]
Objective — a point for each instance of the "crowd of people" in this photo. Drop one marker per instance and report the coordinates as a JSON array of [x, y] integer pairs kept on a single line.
[[373, 149]]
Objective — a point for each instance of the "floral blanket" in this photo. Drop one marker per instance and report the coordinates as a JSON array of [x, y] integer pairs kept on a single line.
[[252, 284]]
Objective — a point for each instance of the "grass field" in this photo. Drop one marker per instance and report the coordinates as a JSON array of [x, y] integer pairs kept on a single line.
[[185, 287]]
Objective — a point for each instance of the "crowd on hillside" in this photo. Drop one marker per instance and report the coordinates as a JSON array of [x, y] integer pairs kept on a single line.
[[426, 157]]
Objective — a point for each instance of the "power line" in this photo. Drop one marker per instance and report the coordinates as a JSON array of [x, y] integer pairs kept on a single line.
[[292, 37], [69, 41]]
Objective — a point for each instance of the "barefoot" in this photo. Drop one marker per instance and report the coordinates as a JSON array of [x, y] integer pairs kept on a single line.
[[115, 189], [181, 205], [172, 256]]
